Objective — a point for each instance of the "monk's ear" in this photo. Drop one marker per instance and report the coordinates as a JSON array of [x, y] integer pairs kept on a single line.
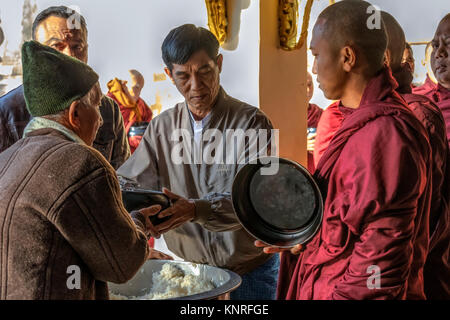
[[169, 74], [387, 57], [74, 118], [348, 55]]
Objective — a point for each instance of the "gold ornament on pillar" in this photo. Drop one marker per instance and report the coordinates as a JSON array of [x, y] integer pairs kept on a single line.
[[288, 21], [218, 18], [332, 2]]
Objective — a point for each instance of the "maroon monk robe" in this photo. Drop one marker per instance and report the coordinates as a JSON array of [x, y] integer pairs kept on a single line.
[[432, 119], [437, 268], [375, 176], [328, 125], [426, 88], [441, 96], [314, 114]]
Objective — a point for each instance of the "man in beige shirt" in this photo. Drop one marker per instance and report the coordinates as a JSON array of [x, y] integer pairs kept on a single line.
[[203, 227]]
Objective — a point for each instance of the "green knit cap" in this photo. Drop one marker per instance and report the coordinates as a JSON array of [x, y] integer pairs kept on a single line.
[[53, 80]]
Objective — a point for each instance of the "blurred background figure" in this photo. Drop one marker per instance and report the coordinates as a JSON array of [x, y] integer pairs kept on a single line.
[[430, 82], [136, 113], [2, 36], [408, 57], [314, 114]]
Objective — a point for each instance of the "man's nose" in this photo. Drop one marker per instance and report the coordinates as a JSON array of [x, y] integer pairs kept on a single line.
[[195, 82], [441, 51]]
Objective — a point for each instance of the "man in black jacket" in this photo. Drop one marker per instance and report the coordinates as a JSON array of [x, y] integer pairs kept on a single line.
[[64, 30]]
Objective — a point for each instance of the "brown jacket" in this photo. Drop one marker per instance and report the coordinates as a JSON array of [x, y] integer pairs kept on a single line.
[[61, 207], [111, 139]]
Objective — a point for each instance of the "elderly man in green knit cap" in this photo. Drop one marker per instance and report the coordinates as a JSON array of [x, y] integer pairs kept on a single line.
[[65, 30], [65, 232]]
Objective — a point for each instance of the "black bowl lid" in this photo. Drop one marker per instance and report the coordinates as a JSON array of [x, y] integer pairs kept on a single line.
[[282, 209], [285, 200]]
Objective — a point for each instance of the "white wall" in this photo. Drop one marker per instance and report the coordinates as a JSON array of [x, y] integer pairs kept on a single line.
[[128, 34]]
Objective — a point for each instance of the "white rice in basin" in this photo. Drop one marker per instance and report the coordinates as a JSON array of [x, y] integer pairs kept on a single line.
[[171, 282]]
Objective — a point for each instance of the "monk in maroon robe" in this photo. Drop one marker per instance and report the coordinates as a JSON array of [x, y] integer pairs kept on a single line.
[[437, 269], [440, 64], [437, 273], [374, 175], [430, 81]]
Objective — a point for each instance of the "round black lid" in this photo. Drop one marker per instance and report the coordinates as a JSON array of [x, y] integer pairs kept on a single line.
[[281, 207]]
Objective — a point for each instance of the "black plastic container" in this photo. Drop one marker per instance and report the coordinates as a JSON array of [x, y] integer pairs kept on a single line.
[[138, 129], [136, 199]]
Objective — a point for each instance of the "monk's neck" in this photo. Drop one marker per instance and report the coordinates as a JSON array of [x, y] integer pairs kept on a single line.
[[354, 91]]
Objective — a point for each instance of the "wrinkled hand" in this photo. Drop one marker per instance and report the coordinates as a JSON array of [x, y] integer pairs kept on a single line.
[[182, 211], [150, 230], [311, 141], [272, 249], [158, 255]]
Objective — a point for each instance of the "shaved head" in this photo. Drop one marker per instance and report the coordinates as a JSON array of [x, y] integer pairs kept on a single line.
[[136, 76], [346, 23], [137, 83], [396, 40], [440, 57]]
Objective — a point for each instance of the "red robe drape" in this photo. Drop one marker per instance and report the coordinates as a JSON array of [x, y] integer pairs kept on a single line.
[[426, 88], [437, 268], [314, 114], [328, 125]]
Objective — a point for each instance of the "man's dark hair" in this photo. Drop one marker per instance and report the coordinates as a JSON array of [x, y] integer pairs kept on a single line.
[[182, 42], [346, 24], [56, 11]]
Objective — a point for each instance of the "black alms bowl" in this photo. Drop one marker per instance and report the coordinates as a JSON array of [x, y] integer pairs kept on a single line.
[[138, 129], [282, 207], [136, 199]]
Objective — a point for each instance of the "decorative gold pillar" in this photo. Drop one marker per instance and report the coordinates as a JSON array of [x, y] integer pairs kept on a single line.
[[218, 19]]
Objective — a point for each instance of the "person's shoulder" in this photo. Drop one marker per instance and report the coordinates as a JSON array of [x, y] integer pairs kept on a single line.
[[11, 98], [423, 102], [109, 103], [76, 164], [333, 107], [81, 160], [314, 106], [237, 105], [425, 87], [415, 97], [399, 131], [243, 110], [169, 115]]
